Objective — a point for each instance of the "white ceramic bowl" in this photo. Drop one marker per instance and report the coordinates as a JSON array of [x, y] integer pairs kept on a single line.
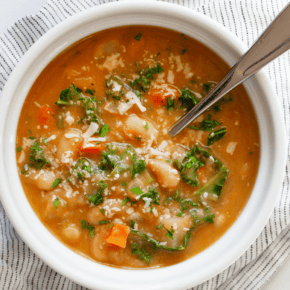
[[232, 244]]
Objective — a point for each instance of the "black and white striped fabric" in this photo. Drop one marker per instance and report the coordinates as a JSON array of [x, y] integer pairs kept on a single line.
[[20, 268]]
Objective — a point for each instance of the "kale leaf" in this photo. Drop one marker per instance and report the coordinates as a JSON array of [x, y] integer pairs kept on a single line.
[[143, 254], [215, 185], [188, 167]]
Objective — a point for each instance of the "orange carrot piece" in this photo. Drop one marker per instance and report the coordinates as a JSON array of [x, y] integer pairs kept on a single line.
[[44, 116], [92, 150], [159, 96], [118, 235]]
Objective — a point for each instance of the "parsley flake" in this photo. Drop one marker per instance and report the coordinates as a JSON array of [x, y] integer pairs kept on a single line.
[[103, 222], [56, 182], [127, 199], [146, 126], [57, 202], [138, 37], [104, 130], [136, 190]]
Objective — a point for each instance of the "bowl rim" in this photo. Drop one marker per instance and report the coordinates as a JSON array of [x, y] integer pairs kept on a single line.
[[155, 281]]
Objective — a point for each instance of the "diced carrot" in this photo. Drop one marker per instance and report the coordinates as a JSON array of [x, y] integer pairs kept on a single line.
[[44, 116], [118, 235], [159, 96], [92, 150]]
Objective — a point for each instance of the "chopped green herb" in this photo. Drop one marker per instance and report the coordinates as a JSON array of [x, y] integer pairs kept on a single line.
[[83, 223], [110, 226], [103, 222], [104, 130], [170, 103], [138, 138], [184, 203], [168, 161], [169, 233], [208, 124], [56, 182], [102, 211], [25, 169], [156, 244], [153, 195], [146, 126], [183, 36], [216, 108], [72, 93], [127, 199], [89, 227], [216, 135], [209, 218], [29, 131], [91, 230], [138, 37], [132, 223], [124, 184], [136, 190], [57, 202], [194, 127], [82, 166], [138, 165], [44, 141], [37, 157], [207, 87], [138, 94], [18, 149], [250, 152], [183, 51], [188, 99], [69, 94], [97, 197], [146, 76], [32, 138], [160, 226]]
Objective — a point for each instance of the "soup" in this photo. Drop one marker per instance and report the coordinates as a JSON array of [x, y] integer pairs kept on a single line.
[[96, 161]]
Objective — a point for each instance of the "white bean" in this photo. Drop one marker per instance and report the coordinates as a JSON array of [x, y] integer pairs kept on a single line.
[[71, 233], [135, 128], [167, 176]]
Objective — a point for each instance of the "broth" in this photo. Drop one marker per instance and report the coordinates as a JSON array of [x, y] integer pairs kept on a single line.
[[96, 161]]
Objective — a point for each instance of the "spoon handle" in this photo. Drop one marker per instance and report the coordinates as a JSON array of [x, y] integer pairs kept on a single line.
[[274, 41]]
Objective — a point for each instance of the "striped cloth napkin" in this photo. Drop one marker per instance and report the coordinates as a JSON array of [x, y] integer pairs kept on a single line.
[[20, 268]]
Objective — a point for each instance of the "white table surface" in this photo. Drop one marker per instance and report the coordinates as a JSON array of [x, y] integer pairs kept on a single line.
[[12, 10]]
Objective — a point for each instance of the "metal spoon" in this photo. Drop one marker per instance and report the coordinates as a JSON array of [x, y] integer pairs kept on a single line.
[[273, 42]]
